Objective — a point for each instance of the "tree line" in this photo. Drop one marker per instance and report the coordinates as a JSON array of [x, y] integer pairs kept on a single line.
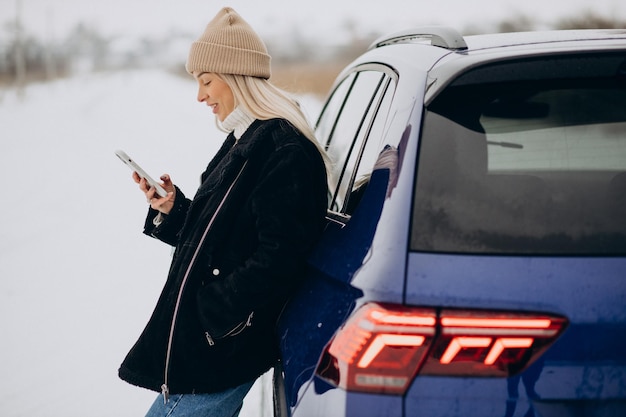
[[25, 58]]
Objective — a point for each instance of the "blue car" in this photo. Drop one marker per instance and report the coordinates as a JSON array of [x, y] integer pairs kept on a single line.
[[474, 261]]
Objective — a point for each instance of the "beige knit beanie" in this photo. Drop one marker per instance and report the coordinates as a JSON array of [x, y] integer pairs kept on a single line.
[[229, 45]]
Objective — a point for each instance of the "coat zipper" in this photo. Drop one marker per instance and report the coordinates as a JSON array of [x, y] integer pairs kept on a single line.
[[164, 388], [240, 327]]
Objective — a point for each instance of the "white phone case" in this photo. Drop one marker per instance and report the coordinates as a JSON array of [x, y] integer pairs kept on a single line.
[[133, 165]]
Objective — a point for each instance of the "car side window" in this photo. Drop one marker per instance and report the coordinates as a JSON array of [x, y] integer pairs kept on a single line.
[[372, 149], [348, 131], [327, 122], [328, 117]]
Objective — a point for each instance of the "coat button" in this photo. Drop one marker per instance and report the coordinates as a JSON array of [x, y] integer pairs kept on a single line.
[[216, 272]]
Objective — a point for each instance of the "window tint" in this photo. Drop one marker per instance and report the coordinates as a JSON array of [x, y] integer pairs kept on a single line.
[[346, 134], [580, 131], [526, 166]]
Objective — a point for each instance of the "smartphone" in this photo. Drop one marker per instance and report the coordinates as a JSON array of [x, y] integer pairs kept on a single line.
[[133, 165]]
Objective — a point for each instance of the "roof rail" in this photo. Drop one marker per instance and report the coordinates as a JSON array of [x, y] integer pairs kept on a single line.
[[441, 36]]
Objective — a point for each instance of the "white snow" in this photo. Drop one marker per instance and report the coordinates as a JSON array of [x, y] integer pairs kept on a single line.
[[78, 278]]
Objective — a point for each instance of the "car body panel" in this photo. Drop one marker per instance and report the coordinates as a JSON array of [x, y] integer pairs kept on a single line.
[[583, 289], [354, 263], [333, 403], [590, 355]]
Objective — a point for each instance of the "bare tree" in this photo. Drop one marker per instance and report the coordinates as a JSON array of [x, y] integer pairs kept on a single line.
[[20, 64], [590, 20]]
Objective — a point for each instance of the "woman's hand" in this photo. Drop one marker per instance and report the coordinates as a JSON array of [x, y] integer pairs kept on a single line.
[[162, 204]]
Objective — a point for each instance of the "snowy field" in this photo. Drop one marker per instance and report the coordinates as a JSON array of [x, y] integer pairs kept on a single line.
[[78, 278]]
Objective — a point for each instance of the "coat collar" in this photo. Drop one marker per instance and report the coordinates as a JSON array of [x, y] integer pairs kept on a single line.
[[254, 136], [230, 158]]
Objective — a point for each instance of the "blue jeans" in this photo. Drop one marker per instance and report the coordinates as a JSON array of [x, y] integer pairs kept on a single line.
[[220, 404]]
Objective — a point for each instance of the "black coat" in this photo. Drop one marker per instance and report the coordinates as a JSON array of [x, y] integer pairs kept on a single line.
[[252, 259]]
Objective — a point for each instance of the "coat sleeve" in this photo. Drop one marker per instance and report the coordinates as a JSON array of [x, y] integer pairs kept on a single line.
[[168, 229], [288, 204]]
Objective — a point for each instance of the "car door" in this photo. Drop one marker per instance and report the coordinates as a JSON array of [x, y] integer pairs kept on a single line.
[[351, 126]]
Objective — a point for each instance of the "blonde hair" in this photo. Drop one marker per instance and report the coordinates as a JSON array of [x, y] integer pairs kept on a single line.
[[264, 101]]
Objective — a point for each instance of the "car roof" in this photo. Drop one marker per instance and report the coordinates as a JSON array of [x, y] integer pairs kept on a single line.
[[449, 38], [578, 37], [446, 53]]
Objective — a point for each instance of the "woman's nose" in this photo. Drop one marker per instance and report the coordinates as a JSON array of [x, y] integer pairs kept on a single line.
[[201, 96]]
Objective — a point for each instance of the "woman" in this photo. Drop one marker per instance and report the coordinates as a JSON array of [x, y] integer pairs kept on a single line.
[[241, 243]]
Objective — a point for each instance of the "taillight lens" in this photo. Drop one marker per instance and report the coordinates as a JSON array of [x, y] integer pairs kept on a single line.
[[382, 346]]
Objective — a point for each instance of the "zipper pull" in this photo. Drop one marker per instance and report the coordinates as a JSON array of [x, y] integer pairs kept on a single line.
[[209, 339], [249, 322], [166, 393]]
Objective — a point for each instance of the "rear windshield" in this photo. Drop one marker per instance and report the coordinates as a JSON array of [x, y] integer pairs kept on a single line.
[[526, 157]]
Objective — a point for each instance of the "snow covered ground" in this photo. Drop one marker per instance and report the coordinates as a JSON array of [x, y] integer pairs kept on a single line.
[[78, 278]]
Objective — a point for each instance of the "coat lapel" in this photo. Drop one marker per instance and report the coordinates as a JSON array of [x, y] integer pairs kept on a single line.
[[230, 158]]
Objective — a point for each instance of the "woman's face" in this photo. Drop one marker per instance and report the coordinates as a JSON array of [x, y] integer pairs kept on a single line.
[[215, 93]]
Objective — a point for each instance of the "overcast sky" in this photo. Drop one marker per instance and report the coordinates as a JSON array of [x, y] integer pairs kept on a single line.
[[324, 18]]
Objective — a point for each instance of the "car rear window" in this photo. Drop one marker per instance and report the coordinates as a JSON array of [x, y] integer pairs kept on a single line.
[[526, 157]]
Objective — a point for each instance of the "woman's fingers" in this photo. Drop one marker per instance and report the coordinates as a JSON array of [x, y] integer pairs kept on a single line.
[[162, 204]]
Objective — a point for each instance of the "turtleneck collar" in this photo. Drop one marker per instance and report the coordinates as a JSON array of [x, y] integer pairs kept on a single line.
[[238, 121]]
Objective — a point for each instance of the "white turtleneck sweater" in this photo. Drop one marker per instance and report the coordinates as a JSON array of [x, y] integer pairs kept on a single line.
[[238, 121]]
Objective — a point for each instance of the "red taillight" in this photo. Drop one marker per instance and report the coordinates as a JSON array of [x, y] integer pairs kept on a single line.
[[382, 347], [489, 343]]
